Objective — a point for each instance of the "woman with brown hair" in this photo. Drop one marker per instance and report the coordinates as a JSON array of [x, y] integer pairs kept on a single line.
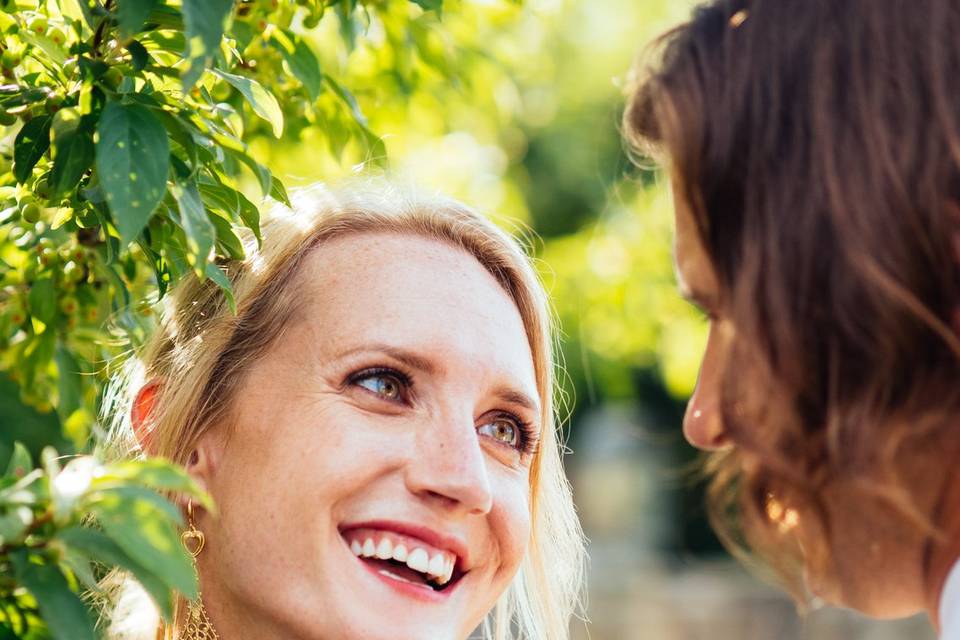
[[374, 420], [814, 150]]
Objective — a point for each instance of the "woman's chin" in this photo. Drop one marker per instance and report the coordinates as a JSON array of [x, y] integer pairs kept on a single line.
[[873, 597]]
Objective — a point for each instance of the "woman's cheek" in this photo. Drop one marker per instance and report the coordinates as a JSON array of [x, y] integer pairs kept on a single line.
[[511, 521]]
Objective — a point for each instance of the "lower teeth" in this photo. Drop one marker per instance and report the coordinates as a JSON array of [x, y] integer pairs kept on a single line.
[[390, 574]]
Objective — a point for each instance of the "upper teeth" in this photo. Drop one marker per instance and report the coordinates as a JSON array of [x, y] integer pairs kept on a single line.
[[439, 567]]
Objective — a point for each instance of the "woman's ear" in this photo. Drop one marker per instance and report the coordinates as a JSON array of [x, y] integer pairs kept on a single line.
[[201, 464], [142, 414]]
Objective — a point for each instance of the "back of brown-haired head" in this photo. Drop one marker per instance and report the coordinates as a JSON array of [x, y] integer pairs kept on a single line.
[[818, 146]]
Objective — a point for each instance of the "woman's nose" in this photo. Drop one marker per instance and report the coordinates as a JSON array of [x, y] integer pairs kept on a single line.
[[450, 468], [703, 425]]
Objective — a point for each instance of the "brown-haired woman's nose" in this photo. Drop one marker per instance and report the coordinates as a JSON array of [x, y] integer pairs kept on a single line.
[[703, 425]]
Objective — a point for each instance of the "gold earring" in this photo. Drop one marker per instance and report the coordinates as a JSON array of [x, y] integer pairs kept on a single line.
[[192, 539], [197, 625]]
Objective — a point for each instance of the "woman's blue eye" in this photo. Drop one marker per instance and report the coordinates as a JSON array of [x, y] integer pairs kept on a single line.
[[502, 429], [384, 385]]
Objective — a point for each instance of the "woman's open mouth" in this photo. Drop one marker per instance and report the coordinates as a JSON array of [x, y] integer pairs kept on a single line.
[[405, 558]]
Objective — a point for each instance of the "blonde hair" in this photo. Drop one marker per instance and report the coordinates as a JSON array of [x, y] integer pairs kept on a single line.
[[202, 349]]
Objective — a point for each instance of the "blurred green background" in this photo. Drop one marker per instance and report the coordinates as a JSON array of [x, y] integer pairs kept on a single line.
[[517, 113]]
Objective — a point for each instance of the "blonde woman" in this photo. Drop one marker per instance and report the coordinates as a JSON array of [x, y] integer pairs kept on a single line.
[[375, 424]]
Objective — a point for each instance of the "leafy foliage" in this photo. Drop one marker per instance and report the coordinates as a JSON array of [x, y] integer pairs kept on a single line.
[[130, 165], [51, 547]]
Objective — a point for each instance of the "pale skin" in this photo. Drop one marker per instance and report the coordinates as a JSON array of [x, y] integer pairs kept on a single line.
[[394, 401], [879, 561]]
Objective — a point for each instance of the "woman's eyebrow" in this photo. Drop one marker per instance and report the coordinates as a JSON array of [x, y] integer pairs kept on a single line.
[[518, 398], [410, 359]]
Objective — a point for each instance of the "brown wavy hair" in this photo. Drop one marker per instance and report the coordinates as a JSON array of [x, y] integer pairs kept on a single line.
[[818, 146]]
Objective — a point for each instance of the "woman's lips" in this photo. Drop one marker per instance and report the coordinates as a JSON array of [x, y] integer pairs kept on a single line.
[[418, 560], [435, 565]]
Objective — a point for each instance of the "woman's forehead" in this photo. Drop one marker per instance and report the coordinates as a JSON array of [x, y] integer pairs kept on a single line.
[[419, 295]]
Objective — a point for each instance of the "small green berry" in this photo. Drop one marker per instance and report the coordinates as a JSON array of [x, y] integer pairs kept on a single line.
[[48, 257], [72, 272], [30, 212], [10, 59], [42, 189], [54, 102], [113, 77], [58, 36], [38, 24], [69, 305]]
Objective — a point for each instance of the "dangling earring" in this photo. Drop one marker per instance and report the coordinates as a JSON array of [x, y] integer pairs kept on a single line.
[[197, 625], [192, 539]]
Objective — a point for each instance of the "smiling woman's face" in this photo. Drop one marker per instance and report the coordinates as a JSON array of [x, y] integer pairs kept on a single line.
[[375, 480]]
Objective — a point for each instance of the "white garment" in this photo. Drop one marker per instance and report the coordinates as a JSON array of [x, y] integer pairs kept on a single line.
[[950, 605]]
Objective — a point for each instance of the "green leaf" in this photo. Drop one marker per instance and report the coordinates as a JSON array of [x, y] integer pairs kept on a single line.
[[132, 159], [14, 95], [143, 531], [250, 216], [87, 9], [131, 14], [205, 21], [279, 192], [227, 240], [155, 473], [195, 223], [100, 548], [301, 59], [429, 5], [14, 523], [43, 300], [167, 18], [138, 55], [235, 203], [216, 274], [29, 146], [72, 148], [133, 493], [348, 98], [40, 349], [60, 608], [69, 384], [259, 171], [82, 569], [180, 131], [20, 462], [263, 102]]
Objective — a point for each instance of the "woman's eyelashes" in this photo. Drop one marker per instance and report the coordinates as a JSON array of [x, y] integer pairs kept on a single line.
[[510, 430]]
